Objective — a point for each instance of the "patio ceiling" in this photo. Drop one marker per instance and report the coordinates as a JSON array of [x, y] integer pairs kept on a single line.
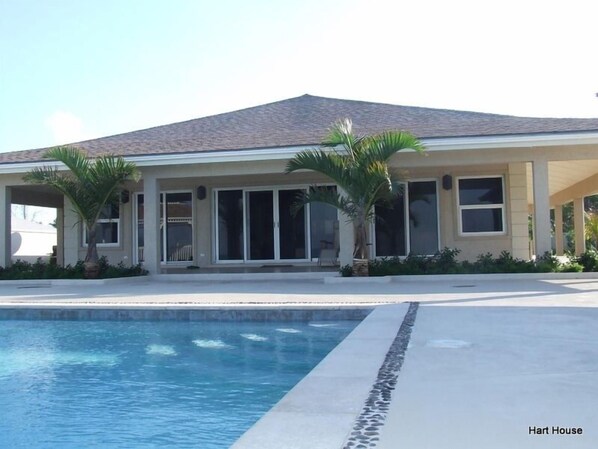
[[567, 180]]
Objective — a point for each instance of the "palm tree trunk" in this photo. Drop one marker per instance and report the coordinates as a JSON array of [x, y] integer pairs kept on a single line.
[[92, 268], [360, 256]]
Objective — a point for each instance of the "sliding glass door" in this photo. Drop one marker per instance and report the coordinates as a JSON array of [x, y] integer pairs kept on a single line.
[[260, 225]]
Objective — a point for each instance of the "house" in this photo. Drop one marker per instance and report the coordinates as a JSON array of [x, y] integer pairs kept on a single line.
[[31, 240], [214, 193]]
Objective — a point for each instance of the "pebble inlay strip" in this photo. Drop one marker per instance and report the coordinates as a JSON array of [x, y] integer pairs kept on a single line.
[[366, 430]]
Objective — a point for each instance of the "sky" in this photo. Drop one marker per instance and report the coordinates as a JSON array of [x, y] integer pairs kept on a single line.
[[72, 70]]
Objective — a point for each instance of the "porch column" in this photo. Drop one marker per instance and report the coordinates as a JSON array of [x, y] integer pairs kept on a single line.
[[345, 238], [151, 224], [71, 237], [5, 218], [558, 229], [579, 225], [541, 207], [519, 210], [60, 236]]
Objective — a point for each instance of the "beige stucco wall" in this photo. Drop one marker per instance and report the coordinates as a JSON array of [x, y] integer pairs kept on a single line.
[[268, 174]]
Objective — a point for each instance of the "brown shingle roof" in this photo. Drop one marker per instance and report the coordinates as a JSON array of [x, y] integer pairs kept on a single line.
[[304, 121]]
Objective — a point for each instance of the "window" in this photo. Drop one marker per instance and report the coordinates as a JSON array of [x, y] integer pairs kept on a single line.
[[410, 224], [481, 205], [259, 224], [107, 227]]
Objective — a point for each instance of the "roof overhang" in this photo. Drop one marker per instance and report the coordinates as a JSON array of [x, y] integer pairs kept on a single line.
[[281, 153]]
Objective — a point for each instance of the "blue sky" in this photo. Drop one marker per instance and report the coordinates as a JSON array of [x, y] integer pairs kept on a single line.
[[71, 70]]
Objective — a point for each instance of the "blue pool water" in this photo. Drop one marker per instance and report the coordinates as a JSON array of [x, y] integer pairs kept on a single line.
[[99, 384]]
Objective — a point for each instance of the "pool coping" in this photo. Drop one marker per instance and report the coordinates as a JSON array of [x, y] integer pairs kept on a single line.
[[320, 412], [184, 312]]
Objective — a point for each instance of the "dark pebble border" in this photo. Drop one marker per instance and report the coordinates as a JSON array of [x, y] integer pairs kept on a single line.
[[366, 430]]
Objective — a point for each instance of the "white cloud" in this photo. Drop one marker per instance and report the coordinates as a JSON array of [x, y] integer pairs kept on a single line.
[[66, 127]]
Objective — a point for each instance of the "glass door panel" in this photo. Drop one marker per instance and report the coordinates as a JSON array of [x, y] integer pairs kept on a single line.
[[292, 227], [230, 225], [140, 235], [323, 228], [423, 217], [260, 225], [179, 227], [391, 236]]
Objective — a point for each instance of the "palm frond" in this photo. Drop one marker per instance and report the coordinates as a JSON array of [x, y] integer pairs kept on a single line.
[[323, 195], [90, 184], [74, 159], [327, 163]]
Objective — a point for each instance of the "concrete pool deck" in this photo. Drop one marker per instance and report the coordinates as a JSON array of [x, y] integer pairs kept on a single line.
[[492, 361]]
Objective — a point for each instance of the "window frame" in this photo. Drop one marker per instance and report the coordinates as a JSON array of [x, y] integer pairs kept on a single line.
[[372, 227], [106, 220], [490, 206]]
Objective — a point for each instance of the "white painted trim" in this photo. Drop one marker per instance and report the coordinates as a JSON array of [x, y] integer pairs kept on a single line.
[[510, 141], [282, 153], [116, 244], [502, 207]]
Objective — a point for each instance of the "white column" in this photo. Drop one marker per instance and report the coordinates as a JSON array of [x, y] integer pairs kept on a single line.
[[518, 203], [541, 207], [151, 224], [345, 238], [60, 236], [579, 225], [5, 214], [558, 229], [71, 236]]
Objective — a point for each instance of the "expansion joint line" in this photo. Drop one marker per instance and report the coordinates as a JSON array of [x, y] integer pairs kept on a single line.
[[369, 423]]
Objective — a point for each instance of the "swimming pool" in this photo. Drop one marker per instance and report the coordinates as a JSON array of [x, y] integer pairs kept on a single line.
[[143, 384]]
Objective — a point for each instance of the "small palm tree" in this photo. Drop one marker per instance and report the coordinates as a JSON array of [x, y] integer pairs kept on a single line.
[[591, 225], [359, 166], [90, 185]]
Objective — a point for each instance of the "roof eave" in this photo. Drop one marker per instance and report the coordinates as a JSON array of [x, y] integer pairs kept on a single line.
[[281, 153]]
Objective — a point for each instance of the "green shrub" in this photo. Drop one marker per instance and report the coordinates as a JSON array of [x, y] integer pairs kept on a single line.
[[588, 260], [19, 270], [346, 271], [572, 267], [445, 262], [548, 263]]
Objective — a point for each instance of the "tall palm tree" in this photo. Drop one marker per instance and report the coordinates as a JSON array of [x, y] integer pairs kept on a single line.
[[359, 166], [90, 185]]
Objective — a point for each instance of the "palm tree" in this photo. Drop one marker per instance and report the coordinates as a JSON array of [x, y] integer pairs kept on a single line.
[[359, 166], [591, 225], [90, 185]]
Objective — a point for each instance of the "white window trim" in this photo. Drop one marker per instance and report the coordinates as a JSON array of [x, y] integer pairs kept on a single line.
[[501, 206], [407, 230], [105, 220]]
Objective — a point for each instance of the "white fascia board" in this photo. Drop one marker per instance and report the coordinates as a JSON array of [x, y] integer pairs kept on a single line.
[[260, 154], [512, 141], [24, 167], [269, 154]]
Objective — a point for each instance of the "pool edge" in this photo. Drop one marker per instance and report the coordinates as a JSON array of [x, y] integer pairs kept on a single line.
[[320, 411]]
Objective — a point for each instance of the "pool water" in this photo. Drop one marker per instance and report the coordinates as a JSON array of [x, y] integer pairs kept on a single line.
[[102, 384]]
